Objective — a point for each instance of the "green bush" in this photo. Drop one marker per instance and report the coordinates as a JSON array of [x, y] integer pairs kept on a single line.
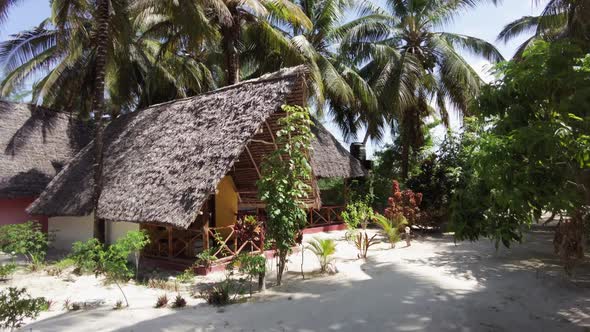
[[357, 214], [252, 266], [25, 239], [58, 267], [186, 277], [16, 305], [6, 270], [87, 255]]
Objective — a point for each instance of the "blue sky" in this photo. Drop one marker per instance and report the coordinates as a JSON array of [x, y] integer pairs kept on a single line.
[[484, 22]]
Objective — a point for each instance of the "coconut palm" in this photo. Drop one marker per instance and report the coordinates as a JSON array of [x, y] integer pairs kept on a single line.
[[88, 49], [60, 54], [559, 18], [323, 249], [232, 21], [413, 66]]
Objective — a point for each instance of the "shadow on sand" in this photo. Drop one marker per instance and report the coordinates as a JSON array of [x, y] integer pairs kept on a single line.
[[522, 289]]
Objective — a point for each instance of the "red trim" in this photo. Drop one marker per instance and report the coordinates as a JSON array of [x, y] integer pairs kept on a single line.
[[327, 228]]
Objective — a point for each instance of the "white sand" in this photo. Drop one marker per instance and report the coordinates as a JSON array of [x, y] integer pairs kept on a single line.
[[433, 285]]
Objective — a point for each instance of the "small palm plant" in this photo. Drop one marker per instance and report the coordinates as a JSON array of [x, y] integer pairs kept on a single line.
[[323, 249], [391, 227]]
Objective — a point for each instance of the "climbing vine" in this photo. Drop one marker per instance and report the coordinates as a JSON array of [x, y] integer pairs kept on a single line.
[[283, 186]]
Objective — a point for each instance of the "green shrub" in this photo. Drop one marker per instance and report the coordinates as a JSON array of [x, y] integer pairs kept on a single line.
[[16, 305], [25, 239], [221, 293], [357, 214], [186, 277], [323, 249], [58, 267], [206, 257], [252, 266], [6, 270], [87, 255]]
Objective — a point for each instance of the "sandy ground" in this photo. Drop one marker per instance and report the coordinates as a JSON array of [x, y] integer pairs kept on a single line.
[[434, 285]]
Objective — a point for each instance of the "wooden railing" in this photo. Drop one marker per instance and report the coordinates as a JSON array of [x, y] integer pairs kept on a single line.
[[326, 215], [225, 242]]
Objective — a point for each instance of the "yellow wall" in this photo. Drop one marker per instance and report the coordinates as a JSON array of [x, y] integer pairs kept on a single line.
[[226, 203]]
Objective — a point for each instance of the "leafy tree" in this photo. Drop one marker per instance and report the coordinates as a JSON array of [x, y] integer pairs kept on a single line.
[[283, 186], [530, 150], [437, 179], [26, 239], [409, 62]]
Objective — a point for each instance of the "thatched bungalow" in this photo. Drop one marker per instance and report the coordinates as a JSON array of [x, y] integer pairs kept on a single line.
[[186, 170], [35, 143]]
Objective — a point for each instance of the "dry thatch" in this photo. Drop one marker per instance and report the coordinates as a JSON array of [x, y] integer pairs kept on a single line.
[[162, 163], [329, 159], [35, 143]]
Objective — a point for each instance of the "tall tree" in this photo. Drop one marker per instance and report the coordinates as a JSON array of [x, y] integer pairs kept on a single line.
[[60, 55], [414, 66], [98, 107], [230, 20], [558, 19]]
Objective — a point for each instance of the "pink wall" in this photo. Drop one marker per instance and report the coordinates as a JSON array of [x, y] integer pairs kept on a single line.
[[12, 211]]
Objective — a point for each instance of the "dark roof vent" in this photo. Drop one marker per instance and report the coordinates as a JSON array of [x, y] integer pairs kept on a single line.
[[357, 150]]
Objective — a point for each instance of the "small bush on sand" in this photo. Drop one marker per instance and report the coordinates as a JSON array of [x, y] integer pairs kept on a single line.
[[87, 255], [6, 270], [323, 249], [58, 267], [252, 267], [223, 293], [26, 239], [186, 277], [118, 305], [162, 301], [179, 302], [16, 305]]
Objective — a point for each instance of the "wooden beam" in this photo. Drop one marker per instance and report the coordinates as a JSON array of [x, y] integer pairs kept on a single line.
[[253, 162]]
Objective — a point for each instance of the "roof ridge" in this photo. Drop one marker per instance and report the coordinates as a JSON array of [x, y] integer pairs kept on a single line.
[[277, 75]]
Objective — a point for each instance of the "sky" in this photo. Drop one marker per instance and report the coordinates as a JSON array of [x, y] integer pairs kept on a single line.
[[484, 22]]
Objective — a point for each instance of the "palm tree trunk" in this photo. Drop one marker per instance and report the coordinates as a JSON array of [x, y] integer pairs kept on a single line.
[[98, 109], [231, 35], [405, 158]]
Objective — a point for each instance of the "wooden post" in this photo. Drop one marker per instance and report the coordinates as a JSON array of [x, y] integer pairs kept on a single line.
[[345, 180], [170, 247], [206, 225]]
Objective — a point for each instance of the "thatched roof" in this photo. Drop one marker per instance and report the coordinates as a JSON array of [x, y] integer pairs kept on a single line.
[[162, 163], [329, 159], [35, 143]]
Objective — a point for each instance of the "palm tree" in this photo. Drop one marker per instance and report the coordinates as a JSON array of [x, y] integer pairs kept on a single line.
[[5, 6], [232, 22], [336, 77], [559, 18], [413, 66], [74, 67], [60, 55]]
